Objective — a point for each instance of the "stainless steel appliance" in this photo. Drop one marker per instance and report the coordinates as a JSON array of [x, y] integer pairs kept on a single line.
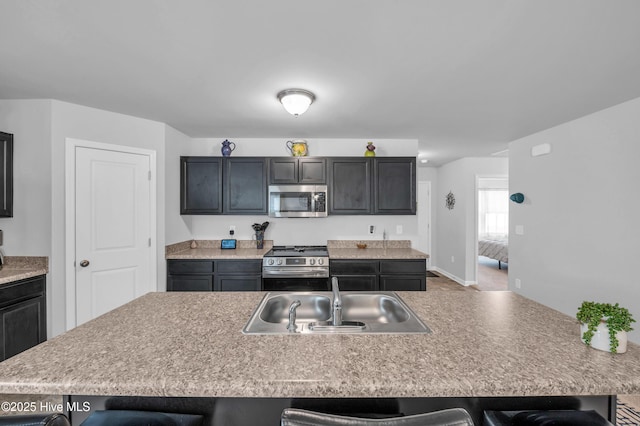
[[297, 200], [296, 268]]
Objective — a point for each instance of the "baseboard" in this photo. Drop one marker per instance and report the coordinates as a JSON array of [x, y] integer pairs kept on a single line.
[[453, 277]]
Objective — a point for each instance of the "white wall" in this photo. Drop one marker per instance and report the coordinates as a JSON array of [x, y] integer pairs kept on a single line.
[[286, 230], [580, 214], [28, 232], [80, 122], [455, 233]]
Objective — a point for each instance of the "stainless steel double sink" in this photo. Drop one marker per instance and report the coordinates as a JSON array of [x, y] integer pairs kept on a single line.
[[362, 313]]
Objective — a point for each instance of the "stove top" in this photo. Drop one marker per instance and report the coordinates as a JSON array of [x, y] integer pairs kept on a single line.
[[297, 251]]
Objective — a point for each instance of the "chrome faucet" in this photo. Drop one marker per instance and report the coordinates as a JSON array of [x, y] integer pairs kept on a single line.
[[337, 302], [292, 327]]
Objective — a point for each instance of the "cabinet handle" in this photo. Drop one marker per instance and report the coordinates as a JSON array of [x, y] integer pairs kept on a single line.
[[84, 263]]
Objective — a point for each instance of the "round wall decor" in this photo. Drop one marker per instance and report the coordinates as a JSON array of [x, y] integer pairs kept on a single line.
[[450, 201]]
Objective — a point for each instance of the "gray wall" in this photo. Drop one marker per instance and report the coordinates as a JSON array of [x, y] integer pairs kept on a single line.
[[580, 215], [456, 234]]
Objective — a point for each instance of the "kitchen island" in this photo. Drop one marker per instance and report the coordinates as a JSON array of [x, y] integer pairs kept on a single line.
[[484, 344]]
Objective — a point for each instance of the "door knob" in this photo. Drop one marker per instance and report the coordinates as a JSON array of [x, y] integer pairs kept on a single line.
[[84, 263]]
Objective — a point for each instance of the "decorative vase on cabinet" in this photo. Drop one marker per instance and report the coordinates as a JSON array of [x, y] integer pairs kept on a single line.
[[371, 150], [226, 148]]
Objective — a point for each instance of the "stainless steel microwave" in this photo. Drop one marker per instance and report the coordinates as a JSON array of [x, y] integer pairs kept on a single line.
[[297, 200]]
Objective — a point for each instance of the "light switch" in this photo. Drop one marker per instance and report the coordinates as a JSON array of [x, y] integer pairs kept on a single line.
[[519, 230]]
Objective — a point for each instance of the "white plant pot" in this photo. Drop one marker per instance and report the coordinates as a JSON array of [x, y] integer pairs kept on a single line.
[[600, 338]]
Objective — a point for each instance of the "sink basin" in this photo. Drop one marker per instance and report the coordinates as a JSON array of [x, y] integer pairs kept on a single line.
[[314, 307], [380, 312]]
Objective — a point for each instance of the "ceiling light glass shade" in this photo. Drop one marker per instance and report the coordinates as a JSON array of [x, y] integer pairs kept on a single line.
[[296, 101]]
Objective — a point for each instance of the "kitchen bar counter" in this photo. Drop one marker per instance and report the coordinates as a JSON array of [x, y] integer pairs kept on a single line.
[[18, 268], [190, 344]]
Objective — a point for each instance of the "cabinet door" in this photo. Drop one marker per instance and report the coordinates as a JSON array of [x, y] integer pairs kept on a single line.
[[200, 185], [6, 175], [245, 184], [190, 283], [358, 282], [238, 283], [394, 186], [312, 170], [403, 282], [349, 186], [22, 326], [283, 170]]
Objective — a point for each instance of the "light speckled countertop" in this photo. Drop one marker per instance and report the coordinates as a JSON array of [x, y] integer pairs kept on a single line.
[[190, 344], [21, 267], [210, 249], [338, 249], [376, 253]]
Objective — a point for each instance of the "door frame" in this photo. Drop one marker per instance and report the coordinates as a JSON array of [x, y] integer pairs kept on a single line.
[[423, 213], [70, 215], [476, 216]]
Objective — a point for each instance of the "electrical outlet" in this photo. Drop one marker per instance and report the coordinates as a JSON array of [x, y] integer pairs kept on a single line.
[[453, 259], [372, 229], [232, 229], [398, 229], [518, 283]]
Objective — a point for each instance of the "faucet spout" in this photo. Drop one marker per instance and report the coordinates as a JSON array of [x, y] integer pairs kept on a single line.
[[292, 327], [337, 302]]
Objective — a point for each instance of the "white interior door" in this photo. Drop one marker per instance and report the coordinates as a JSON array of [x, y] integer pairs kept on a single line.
[[112, 230]]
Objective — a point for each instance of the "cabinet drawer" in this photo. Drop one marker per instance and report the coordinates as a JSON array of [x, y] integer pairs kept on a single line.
[[21, 290], [245, 267], [403, 266], [353, 267], [190, 266]]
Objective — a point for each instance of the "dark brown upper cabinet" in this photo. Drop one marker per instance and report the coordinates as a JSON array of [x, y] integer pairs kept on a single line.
[[200, 185], [6, 174], [245, 185], [383, 186], [394, 185], [349, 189], [292, 170]]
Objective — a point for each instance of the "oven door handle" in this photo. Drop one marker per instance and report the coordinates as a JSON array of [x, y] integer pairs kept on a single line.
[[288, 273]]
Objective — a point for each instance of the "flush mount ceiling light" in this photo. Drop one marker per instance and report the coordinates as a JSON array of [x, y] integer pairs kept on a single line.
[[296, 101]]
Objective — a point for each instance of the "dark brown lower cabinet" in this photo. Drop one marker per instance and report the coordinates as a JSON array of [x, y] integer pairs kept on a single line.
[[23, 315], [214, 275], [380, 275]]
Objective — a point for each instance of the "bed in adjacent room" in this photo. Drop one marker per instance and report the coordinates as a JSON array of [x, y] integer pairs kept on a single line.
[[494, 247]]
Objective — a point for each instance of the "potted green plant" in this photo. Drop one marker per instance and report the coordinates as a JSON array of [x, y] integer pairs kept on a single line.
[[604, 326]]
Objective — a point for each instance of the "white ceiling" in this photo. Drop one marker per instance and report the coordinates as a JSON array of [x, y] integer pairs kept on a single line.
[[464, 77]]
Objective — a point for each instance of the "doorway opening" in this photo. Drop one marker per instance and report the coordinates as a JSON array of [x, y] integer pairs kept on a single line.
[[492, 263]]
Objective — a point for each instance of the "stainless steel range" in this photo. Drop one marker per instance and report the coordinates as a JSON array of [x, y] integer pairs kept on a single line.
[[296, 268]]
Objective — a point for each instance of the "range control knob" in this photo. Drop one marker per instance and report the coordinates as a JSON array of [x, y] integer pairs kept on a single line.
[[270, 261], [312, 261], [279, 261], [320, 261]]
